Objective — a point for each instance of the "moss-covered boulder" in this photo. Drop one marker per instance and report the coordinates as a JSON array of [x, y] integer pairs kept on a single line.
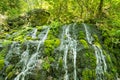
[[36, 17]]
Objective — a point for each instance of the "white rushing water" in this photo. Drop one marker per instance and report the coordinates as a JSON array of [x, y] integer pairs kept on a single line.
[[34, 33], [14, 49], [68, 45], [100, 62], [30, 61]]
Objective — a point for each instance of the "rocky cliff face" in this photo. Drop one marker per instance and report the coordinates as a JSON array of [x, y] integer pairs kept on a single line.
[[69, 52]]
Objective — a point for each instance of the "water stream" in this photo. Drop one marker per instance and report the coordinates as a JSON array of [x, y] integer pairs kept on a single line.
[[68, 45], [78, 56], [101, 63], [34, 33], [29, 61]]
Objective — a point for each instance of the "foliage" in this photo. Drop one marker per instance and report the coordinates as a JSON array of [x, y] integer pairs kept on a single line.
[[88, 74], [84, 43], [1, 64], [9, 68], [10, 75], [10, 7], [50, 45], [46, 65], [105, 14]]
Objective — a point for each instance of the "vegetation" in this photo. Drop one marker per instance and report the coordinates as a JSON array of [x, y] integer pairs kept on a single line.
[[18, 17]]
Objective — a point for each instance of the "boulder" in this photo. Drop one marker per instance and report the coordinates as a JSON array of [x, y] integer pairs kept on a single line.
[[36, 17]]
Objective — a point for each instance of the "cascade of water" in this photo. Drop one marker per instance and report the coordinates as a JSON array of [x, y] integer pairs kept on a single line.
[[68, 44], [88, 35], [65, 48], [34, 33], [30, 62], [101, 63], [14, 49]]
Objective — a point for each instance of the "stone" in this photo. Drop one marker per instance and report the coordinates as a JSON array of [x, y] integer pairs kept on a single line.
[[36, 17]]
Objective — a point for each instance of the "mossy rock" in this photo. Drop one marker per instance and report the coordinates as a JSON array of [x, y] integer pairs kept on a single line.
[[53, 33], [35, 17], [29, 38], [9, 69], [3, 53], [88, 74], [81, 35], [60, 62], [6, 43], [95, 38], [98, 44], [16, 22], [1, 64], [50, 45], [84, 43], [46, 65], [109, 76], [10, 75], [90, 61], [108, 58], [19, 38], [3, 36]]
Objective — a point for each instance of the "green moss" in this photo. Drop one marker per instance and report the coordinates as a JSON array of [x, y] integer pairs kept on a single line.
[[57, 42], [84, 43], [53, 33], [81, 35], [38, 17], [10, 75], [90, 60], [109, 76], [50, 45], [2, 36], [19, 38], [46, 65], [55, 24], [107, 40], [1, 64], [6, 43], [108, 58], [114, 69], [48, 49], [2, 53], [9, 69], [28, 38], [60, 62], [96, 38], [88, 74], [98, 44], [39, 28], [51, 59]]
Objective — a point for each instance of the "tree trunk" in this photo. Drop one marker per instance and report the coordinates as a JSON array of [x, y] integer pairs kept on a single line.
[[99, 13]]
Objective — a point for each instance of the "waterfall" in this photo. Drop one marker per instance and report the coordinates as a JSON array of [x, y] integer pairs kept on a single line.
[[14, 49], [101, 63], [34, 32], [72, 52], [27, 60], [30, 63], [68, 45]]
